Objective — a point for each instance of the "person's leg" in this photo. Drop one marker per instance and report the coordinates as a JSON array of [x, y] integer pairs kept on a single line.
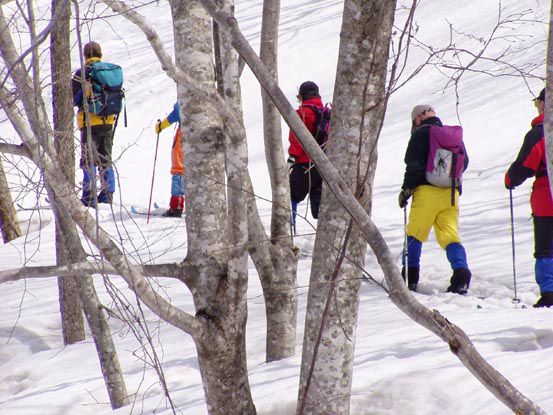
[[447, 235], [315, 190], [103, 136], [293, 218], [88, 199], [414, 250], [176, 203], [543, 252], [87, 164], [299, 187], [421, 219]]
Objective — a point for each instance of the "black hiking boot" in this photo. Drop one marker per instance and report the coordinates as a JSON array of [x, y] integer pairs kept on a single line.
[[105, 197], [460, 281], [88, 200], [172, 213], [546, 300], [413, 277]]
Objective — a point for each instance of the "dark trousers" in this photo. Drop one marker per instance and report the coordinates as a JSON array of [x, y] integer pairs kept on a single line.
[[97, 154], [101, 143], [543, 237], [305, 179]]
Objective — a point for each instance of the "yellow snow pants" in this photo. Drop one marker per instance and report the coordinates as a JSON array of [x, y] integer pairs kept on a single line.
[[431, 207]]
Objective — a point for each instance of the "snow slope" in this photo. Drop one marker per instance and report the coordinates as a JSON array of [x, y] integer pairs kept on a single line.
[[400, 368]]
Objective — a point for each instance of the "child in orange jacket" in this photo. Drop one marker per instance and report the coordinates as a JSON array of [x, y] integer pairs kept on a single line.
[[176, 203]]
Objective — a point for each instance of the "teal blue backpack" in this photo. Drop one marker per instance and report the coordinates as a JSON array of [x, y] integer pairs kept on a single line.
[[107, 89]]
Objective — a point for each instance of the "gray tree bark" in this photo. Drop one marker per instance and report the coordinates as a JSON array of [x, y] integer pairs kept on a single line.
[[217, 243], [548, 119], [333, 298], [276, 258], [60, 62], [8, 216]]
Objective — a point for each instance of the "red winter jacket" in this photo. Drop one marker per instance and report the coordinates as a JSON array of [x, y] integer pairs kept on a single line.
[[531, 162], [309, 118]]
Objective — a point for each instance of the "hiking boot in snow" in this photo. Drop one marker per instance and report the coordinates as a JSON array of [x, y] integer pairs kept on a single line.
[[88, 200], [412, 276], [89, 203], [546, 300], [105, 197], [172, 213], [460, 281]]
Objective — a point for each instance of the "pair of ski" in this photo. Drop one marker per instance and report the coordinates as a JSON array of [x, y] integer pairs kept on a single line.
[[156, 211]]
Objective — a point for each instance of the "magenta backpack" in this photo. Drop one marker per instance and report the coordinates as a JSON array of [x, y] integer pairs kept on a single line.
[[446, 157]]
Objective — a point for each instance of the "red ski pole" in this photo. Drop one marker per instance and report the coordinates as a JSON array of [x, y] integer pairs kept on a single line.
[[153, 176]]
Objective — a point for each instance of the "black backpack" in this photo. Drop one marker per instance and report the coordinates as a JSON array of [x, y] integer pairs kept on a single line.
[[322, 123]]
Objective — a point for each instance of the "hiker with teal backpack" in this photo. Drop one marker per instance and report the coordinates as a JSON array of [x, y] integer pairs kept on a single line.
[[434, 162], [176, 203], [99, 96], [304, 176]]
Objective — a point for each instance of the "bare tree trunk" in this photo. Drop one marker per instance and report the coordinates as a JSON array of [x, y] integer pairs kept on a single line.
[[216, 243], [275, 258], [70, 306], [333, 299], [548, 119], [278, 276], [107, 354], [8, 216]]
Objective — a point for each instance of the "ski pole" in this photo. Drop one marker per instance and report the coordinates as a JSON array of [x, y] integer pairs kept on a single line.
[[516, 300], [153, 176], [405, 254]]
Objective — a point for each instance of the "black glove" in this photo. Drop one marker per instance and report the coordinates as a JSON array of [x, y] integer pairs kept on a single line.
[[509, 186], [291, 161], [404, 196]]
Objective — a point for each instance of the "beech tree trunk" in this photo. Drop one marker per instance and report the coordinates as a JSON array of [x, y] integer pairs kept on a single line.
[[216, 243], [332, 303], [70, 306], [8, 216], [548, 119], [278, 276], [275, 257]]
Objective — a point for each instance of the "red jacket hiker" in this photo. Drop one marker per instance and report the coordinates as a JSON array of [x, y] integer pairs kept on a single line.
[[309, 118], [531, 162], [304, 176]]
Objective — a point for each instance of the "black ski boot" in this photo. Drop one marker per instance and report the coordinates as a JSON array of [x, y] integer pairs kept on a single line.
[[88, 200], [460, 281], [173, 213], [413, 277], [546, 300], [105, 197]]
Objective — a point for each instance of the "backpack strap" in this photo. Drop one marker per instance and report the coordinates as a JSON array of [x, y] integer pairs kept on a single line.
[[316, 111]]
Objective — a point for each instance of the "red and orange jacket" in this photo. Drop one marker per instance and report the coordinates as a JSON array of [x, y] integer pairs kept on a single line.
[[531, 162], [309, 118], [177, 165]]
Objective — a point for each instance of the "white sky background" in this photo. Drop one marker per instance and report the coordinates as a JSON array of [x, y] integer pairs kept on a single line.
[[400, 368]]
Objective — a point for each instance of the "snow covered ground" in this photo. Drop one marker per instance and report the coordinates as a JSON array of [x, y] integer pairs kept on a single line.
[[400, 368]]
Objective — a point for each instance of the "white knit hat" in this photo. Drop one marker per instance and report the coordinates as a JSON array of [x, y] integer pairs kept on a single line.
[[419, 109]]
